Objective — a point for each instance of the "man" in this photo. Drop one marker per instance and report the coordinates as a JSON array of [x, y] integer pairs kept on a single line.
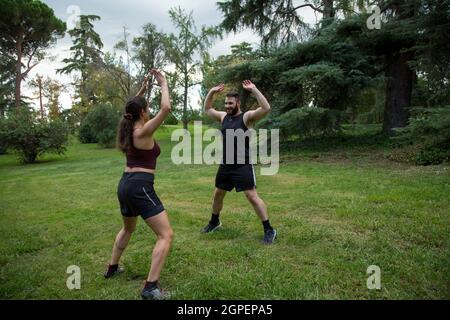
[[233, 173]]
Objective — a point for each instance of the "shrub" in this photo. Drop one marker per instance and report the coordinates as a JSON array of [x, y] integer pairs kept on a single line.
[[100, 125], [30, 137], [86, 133], [3, 145], [426, 139], [307, 122], [171, 120]]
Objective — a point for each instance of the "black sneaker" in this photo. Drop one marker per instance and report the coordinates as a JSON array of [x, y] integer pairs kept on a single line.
[[110, 272], [269, 236], [154, 293], [211, 227]]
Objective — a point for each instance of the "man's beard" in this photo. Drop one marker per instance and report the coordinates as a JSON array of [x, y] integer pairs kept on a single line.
[[233, 112]]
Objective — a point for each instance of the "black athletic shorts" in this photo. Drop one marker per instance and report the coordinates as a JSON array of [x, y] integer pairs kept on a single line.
[[137, 196], [241, 177]]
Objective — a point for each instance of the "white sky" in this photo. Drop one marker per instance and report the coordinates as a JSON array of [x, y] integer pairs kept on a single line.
[[134, 14]]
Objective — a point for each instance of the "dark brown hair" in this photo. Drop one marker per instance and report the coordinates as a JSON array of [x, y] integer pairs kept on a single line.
[[133, 110], [233, 95]]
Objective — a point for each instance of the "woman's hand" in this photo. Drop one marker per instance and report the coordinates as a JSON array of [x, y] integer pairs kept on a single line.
[[144, 87], [159, 77]]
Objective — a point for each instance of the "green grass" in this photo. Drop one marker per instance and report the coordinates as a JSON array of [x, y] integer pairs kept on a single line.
[[337, 212]]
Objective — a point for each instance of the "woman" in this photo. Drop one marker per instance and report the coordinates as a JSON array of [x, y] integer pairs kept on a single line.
[[135, 191]]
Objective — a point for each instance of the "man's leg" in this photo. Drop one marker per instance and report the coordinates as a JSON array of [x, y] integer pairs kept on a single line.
[[219, 195], [261, 210], [257, 203], [214, 223]]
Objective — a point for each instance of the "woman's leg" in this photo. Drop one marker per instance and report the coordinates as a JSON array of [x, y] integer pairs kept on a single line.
[[122, 238], [161, 226]]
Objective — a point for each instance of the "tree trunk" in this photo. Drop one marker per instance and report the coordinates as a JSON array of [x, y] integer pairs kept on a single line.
[[185, 101], [328, 9], [398, 92], [328, 12], [18, 71], [399, 83], [40, 98]]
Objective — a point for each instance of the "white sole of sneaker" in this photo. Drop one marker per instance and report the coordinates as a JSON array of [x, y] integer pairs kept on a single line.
[[220, 224]]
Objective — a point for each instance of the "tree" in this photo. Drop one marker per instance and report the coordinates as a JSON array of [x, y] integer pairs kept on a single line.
[[399, 75], [51, 90], [148, 52], [27, 28], [6, 85], [183, 48], [38, 84], [404, 46], [411, 47], [124, 66], [86, 55], [433, 54], [278, 22], [109, 82]]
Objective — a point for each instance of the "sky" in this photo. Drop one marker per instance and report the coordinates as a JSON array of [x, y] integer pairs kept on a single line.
[[115, 14]]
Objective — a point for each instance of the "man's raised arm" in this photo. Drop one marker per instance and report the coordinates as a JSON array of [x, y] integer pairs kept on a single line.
[[264, 106], [209, 110]]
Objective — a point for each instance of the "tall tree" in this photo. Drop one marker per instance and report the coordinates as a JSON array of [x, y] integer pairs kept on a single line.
[[38, 84], [86, 53], [148, 52], [53, 92], [125, 64], [185, 48], [277, 22], [433, 52], [6, 85], [27, 28], [399, 74], [112, 82]]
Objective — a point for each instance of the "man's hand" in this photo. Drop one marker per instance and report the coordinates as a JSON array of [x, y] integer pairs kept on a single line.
[[248, 85], [218, 88]]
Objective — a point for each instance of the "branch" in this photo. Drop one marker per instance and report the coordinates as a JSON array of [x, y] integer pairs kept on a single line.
[[387, 6], [193, 67], [306, 5], [195, 84], [23, 75]]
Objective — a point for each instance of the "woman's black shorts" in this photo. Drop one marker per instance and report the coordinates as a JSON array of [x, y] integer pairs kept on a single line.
[[137, 196]]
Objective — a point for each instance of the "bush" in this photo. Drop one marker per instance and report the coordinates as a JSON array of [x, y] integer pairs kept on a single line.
[[306, 122], [100, 125], [30, 137], [86, 133], [426, 140], [171, 120], [3, 145]]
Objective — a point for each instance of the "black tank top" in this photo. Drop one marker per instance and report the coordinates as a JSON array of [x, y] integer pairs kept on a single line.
[[234, 124]]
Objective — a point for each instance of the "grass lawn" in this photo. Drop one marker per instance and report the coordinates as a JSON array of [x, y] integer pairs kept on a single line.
[[337, 211]]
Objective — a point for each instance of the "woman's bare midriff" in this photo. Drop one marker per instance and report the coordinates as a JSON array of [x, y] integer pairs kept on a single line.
[[137, 169]]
